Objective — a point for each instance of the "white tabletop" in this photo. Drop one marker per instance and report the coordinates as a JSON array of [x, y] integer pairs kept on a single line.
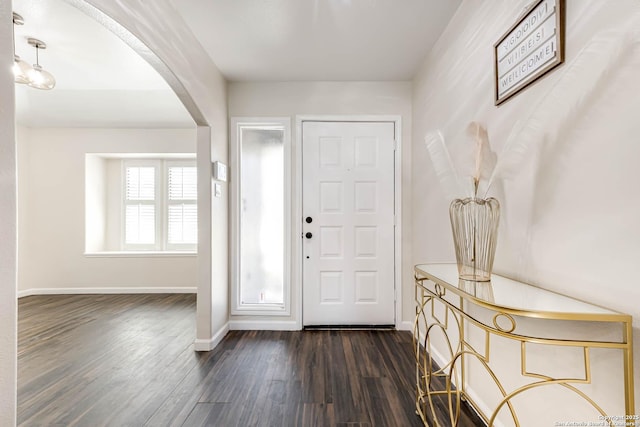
[[502, 292]]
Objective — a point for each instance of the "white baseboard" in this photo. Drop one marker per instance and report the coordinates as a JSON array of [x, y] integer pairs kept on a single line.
[[263, 325], [483, 406], [405, 325], [441, 361], [107, 290], [211, 343]]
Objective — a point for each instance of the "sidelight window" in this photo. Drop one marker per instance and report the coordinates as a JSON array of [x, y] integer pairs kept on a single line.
[[260, 200]]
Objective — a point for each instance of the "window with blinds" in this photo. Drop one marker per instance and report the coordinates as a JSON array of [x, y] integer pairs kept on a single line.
[[182, 208], [140, 205], [160, 205]]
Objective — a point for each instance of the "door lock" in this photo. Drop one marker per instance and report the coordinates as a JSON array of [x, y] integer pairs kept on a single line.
[[308, 235], [308, 220]]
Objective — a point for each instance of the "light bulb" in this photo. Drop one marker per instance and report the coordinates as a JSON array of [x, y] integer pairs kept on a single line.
[[21, 70], [40, 79]]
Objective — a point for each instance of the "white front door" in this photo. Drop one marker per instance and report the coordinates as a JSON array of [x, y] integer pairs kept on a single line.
[[348, 223]]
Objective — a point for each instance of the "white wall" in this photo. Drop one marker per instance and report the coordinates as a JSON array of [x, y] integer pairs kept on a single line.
[[8, 229], [336, 98], [96, 203], [570, 216], [51, 196]]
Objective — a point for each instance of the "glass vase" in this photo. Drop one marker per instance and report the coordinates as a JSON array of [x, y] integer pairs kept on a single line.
[[474, 223]]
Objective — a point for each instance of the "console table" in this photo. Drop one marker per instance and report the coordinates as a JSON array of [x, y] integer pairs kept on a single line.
[[451, 310]]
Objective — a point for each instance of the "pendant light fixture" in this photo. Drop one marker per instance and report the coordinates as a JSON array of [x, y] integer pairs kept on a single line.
[[20, 68], [38, 77]]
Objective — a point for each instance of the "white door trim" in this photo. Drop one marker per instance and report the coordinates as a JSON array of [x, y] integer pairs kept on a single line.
[[297, 205]]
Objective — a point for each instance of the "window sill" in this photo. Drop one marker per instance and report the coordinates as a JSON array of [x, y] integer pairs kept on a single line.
[[260, 310], [140, 254]]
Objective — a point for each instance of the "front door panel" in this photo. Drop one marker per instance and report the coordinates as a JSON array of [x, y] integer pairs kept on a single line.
[[348, 197]]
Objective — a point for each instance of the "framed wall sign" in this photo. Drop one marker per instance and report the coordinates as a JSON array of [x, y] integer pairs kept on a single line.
[[530, 48]]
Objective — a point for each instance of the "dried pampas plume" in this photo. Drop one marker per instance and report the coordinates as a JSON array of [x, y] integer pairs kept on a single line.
[[475, 171], [484, 159]]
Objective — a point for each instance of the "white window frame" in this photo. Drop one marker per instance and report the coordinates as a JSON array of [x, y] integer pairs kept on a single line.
[[262, 309], [161, 203]]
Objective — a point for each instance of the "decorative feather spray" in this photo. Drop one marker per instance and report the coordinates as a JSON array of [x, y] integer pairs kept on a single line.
[[442, 164], [485, 159], [475, 171]]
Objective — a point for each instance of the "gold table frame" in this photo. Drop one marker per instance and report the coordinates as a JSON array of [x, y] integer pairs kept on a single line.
[[433, 286]]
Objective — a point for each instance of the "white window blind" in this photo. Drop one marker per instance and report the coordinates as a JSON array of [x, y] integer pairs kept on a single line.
[[182, 210], [183, 183], [160, 199], [140, 209], [141, 183]]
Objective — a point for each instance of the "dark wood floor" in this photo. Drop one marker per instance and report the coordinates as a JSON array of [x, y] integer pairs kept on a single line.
[[128, 360]]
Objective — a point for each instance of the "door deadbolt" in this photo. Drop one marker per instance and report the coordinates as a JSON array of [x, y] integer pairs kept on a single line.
[[308, 220]]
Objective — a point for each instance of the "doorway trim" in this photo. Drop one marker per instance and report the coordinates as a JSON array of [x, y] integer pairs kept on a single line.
[[297, 205]]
